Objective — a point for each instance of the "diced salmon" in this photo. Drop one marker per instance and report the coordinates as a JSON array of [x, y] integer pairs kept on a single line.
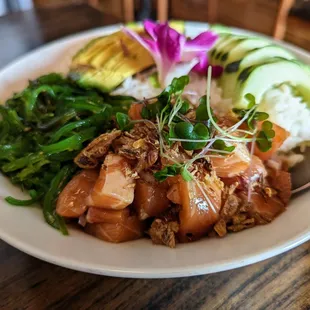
[[173, 194], [281, 181], [135, 111], [100, 215], [200, 206], [115, 186], [233, 164], [255, 171], [72, 200], [267, 208], [132, 228], [150, 196], [280, 136]]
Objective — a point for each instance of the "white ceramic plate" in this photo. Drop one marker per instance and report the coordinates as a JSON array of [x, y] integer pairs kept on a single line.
[[25, 229]]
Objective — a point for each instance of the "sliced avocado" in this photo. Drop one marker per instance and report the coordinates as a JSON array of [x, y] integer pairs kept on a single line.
[[239, 50], [105, 62], [251, 58], [260, 78]]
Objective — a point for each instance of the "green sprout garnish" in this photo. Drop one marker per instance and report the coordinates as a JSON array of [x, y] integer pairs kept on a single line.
[[123, 121], [252, 114], [173, 91], [266, 134], [171, 171], [185, 107], [221, 145], [202, 111], [184, 130]]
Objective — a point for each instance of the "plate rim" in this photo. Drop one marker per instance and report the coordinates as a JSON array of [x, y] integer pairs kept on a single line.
[[158, 273]]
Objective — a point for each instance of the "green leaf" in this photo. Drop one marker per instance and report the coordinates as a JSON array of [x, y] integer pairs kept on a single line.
[[185, 107], [263, 142], [251, 99], [178, 84], [168, 171], [150, 111], [123, 121], [185, 130], [266, 126], [175, 88], [202, 111], [221, 145], [261, 116], [171, 171], [201, 131], [265, 136]]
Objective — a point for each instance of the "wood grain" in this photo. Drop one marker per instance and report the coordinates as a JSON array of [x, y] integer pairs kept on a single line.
[[282, 282], [298, 32]]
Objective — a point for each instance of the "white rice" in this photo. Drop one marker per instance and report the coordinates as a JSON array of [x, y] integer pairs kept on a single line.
[[138, 88], [289, 112], [142, 88]]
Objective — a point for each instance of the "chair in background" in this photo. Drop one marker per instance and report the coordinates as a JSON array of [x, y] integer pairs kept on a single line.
[[282, 17], [125, 8], [211, 11], [56, 3]]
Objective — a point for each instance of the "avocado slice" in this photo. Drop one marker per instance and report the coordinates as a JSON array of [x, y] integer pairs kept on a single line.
[[260, 78], [253, 57], [105, 62]]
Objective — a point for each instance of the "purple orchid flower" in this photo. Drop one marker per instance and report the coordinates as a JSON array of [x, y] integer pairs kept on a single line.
[[173, 54]]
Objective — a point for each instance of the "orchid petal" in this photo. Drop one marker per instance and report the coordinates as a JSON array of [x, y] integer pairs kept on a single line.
[[173, 55], [202, 65], [170, 42], [203, 42], [150, 27]]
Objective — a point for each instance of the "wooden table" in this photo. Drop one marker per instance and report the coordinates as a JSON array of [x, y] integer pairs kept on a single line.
[[282, 282]]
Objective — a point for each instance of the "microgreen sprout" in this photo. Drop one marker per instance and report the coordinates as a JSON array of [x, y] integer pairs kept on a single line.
[[171, 171], [252, 117], [123, 121]]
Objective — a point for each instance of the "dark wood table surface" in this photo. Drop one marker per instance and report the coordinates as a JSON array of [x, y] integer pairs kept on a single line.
[[282, 282]]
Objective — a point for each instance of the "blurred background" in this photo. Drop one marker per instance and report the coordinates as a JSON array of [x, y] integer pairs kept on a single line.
[[283, 19]]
